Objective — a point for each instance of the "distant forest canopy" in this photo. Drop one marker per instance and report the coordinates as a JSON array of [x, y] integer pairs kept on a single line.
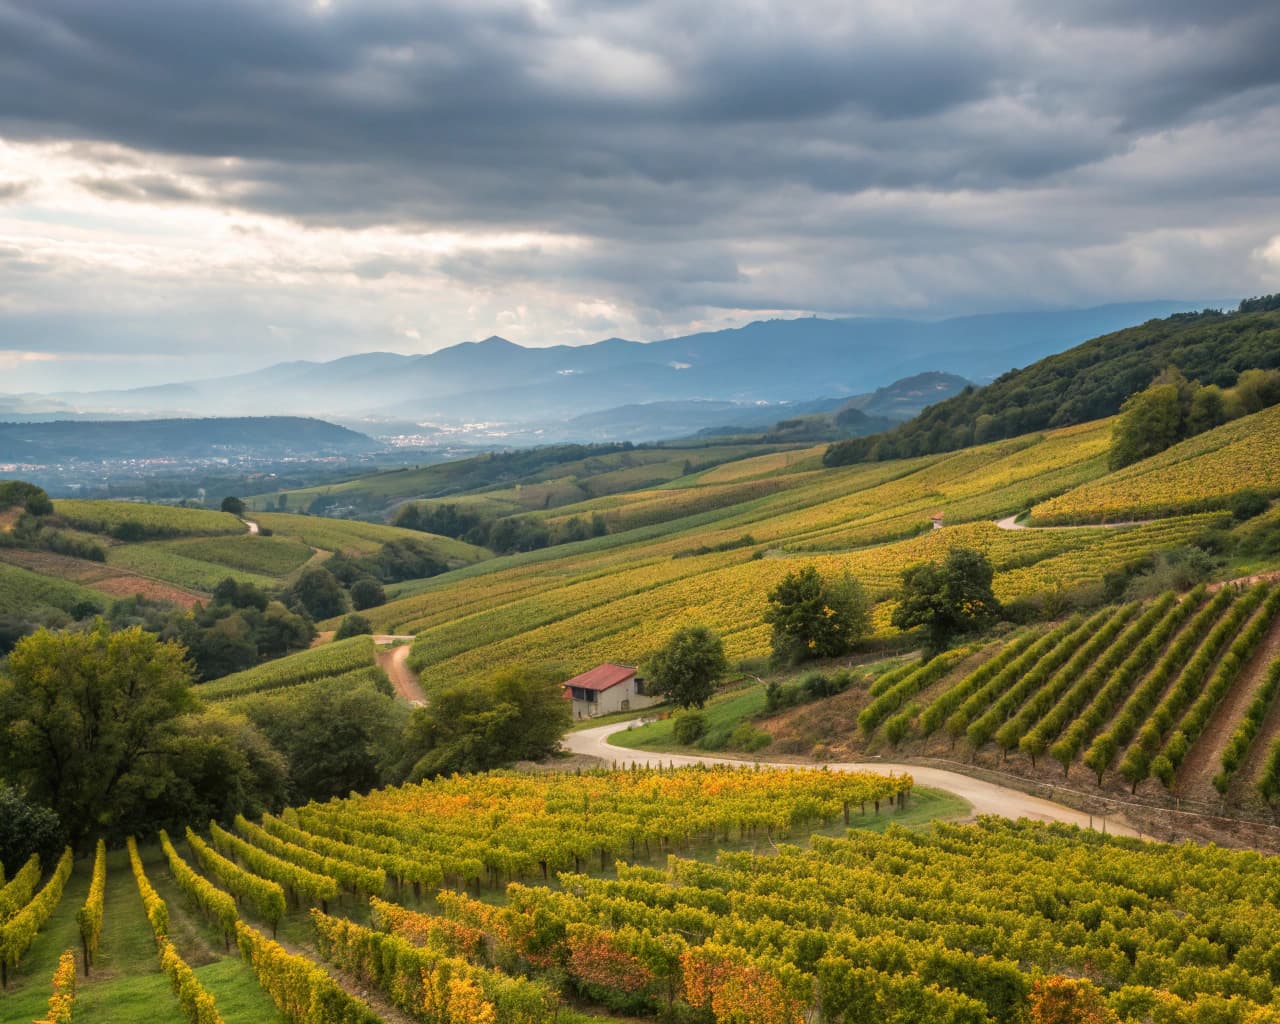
[[1085, 383]]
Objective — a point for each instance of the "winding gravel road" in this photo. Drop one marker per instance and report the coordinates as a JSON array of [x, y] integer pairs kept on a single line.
[[984, 797]]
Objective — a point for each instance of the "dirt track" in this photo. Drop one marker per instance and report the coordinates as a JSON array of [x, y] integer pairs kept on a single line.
[[1011, 523], [395, 662], [984, 797]]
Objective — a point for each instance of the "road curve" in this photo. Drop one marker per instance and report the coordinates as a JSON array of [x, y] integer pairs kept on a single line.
[[984, 797], [1011, 523], [395, 663]]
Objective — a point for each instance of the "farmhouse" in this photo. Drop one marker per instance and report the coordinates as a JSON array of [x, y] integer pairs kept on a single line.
[[605, 689]]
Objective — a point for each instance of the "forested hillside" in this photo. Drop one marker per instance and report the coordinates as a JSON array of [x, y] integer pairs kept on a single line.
[[1085, 383]]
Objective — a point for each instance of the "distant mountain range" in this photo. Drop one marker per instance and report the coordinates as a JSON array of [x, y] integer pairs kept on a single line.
[[94, 441], [771, 361]]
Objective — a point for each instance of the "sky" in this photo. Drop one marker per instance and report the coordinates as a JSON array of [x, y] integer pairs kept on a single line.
[[192, 187]]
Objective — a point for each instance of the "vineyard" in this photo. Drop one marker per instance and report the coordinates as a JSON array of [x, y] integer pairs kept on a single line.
[[136, 521], [511, 898], [358, 538], [1203, 472], [1172, 698], [327, 661], [615, 597]]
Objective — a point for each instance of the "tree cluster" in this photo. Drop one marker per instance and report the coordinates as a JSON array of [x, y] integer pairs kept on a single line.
[[813, 617], [102, 733], [33, 500], [505, 535], [1173, 408], [239, 628], [947, 599], [515, 715], [688, 667]]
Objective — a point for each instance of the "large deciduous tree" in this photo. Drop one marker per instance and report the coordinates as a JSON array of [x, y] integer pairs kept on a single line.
[[813, 617], [947, 598], [85, 717], [688, 667], [518, 714]]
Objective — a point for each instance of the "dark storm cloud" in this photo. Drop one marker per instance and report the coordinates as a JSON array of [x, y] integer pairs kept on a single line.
[[396, 111], [477, 112]]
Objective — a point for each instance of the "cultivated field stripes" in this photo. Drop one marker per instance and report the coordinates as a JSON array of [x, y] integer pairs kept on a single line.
[[265, 896], [1052, 645], [1082, 689], [1009, 736], [198, 1006], [952, 922], [904, 689], [331, 659], [1137, 709], [218, 907], [1203, 472], [982, 728], [1264, 603], [1147, 752], [304, 884], [17, 933], [89, 916], [938, 710], [542, 825], [1250, 724], [354, 877], [1118, 683]]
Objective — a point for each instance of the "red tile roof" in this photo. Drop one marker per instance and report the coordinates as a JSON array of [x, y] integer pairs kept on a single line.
[[602, 677]]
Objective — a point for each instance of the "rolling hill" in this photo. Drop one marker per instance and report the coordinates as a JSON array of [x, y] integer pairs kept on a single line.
[[1085, 383], [262, 436]]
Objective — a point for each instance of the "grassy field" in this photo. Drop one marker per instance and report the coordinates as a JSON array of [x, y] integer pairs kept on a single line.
[[723, 713], [22, 591]]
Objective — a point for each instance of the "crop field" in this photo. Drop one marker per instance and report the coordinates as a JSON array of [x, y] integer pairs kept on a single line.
[[265, 556], [557, 483], [626, 613], [617, 597], [1176, 696], [163, 563], [332, 659], [360, 538], [152, 521], [1203, 472], [22, 591], [735, 896]]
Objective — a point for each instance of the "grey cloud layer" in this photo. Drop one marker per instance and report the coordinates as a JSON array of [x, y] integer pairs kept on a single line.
[[751, 155], [489, 111]]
